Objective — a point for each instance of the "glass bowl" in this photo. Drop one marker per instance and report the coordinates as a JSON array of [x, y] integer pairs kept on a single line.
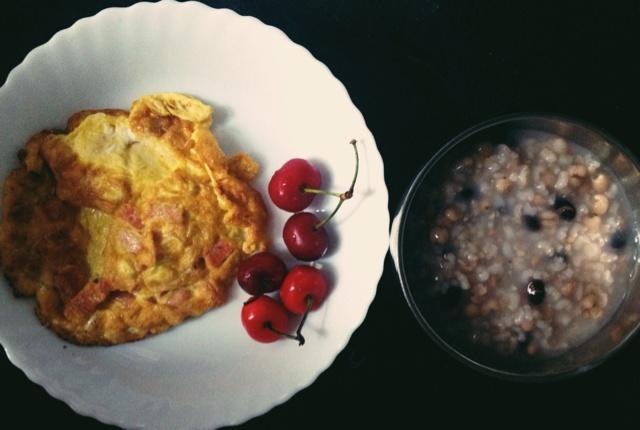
[[410, 243]]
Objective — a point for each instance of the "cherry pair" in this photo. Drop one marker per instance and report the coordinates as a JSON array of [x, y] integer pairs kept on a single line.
[[293, 188]]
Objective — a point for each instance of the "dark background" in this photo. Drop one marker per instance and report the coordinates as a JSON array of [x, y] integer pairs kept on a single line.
[[420, 71]]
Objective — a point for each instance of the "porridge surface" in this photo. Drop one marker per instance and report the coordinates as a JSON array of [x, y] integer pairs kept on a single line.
[[533, 245]]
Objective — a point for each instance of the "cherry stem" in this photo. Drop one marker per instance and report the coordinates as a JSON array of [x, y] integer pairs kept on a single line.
[[347, 194], [309, 302], [298, 337], [317, 191]]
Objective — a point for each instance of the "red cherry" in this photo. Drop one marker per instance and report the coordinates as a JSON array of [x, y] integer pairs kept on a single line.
[[305, 240], [261, 273], [287, 185], [263, 318], [303, 289]]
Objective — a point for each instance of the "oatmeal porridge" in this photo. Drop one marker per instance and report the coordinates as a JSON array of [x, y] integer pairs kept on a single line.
[[533, 245]]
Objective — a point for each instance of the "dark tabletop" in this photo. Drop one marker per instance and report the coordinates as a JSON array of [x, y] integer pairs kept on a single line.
[[420, 71]]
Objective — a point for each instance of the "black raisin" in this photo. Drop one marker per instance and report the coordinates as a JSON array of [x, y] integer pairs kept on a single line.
[[565, 209], [535, 291], [466, 194], [618, 240], [531, 222]]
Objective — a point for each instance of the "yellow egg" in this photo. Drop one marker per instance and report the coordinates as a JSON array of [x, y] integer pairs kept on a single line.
[[129, 222]]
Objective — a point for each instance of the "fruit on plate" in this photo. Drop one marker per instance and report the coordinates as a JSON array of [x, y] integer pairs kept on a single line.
[[264, 318], [261, 273], [304, 237], [304, 234], [290, 186], [303, 289]]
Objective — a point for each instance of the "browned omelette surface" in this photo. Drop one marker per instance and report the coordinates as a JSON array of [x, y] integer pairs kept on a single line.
[[130, 222]]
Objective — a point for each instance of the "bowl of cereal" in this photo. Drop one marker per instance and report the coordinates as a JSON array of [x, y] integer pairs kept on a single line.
[[517, 246]]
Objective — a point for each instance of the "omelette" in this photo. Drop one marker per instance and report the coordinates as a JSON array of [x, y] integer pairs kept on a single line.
[[128, 223]]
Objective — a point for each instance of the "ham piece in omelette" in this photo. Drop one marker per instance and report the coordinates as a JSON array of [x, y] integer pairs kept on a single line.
[[129, 222]]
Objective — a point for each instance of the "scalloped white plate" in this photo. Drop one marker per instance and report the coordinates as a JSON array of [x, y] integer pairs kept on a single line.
[[273, 100]]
